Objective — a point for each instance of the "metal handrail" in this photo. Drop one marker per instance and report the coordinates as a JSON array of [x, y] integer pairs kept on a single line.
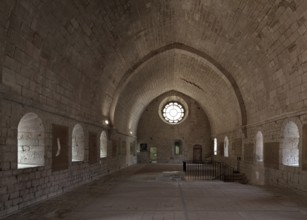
[[208, 170]]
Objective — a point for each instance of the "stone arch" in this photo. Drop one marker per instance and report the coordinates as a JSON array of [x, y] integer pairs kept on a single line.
[[226, 147], [259, 147], [132, 102], [31, 141], [77, 143], [179, 46], [103, 145], [290, 144]]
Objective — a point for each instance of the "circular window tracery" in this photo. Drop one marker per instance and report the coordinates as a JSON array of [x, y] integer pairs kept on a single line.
[[173, 112]]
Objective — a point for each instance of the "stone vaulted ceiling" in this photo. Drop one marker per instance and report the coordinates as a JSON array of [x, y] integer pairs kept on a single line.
[[180, 70], [240, 59]]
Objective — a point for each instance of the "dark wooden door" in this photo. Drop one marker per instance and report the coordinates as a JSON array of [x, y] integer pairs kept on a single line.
[[197, 153]]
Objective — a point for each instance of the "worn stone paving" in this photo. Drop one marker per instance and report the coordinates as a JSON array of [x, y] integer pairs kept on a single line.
[[160, 192]]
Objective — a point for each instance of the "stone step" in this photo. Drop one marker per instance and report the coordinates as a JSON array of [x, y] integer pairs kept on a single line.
[[237, 177]]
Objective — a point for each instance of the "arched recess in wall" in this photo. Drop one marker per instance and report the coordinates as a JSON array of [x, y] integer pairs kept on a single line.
[[259, 147], [177, 147], [31, 141], [182, 47], [103, 145], [290, 144], [215, 146], [77, 143], [226, 147]]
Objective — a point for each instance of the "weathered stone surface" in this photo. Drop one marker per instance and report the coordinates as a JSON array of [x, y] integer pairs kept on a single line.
[[78, 61], [193, 130]]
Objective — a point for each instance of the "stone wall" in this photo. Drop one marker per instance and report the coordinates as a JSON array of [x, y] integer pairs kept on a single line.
[[271, 170], [84, 61], [22, 187], [48, 68], [194, 130]]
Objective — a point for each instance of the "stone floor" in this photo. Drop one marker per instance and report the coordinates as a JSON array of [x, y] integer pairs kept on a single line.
[[158, 192]]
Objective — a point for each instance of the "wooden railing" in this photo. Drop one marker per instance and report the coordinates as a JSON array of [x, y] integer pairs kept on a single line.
[[208, 170]]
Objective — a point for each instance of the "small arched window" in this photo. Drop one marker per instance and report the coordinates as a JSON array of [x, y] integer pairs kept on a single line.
[[215, 146], [178, 147], [226, 147], [103, 145], [77, 143], [30, 139], [259, 147], [290, 145]]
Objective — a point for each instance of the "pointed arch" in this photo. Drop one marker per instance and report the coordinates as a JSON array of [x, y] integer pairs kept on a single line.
[[179, 46]]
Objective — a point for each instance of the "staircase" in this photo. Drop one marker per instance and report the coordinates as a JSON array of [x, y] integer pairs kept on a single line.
[[236, 177]]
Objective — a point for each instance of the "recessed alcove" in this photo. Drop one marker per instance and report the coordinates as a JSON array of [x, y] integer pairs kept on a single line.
[[259, 147], [215, 146], [77, 143], [103, 145], [226, 147], [290, 145], [59, 147], [93, 151], [31, 146]]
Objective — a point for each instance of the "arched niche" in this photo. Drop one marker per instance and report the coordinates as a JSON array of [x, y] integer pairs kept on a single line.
[[178, 147], [259, 147], [215, 146], [103, 145], [77, 143], [226, 147], [290, 144], [30, 139]]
